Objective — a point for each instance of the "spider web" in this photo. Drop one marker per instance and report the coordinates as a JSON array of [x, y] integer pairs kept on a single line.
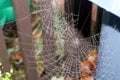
[[70, 45], [63, 46]]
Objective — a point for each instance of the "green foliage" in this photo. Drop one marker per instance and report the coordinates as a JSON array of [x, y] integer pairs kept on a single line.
[[6, 75]]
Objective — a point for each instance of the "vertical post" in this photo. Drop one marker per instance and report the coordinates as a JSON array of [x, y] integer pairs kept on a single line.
[[25, 35], [95, 19], [3, 53]]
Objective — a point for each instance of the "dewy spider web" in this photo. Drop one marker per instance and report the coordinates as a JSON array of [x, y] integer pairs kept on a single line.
[[62, 41], [64, 47]]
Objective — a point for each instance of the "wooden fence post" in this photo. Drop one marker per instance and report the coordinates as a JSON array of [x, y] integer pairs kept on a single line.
[[3, 53], [25, 35], [96, 19]]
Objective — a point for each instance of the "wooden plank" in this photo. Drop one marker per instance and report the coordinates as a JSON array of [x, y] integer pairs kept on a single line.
[[3, 53], [96, 17], [25, 35]]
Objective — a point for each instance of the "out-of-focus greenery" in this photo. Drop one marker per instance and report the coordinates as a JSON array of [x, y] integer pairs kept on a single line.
[[59, 29], [6, 75]]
